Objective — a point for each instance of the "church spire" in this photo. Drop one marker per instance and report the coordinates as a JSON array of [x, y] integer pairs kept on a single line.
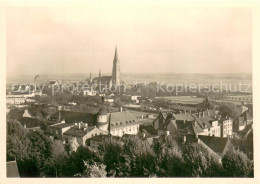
[[116, 69]]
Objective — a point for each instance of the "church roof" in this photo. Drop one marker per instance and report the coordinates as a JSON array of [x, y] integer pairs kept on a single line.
[[103, 79]]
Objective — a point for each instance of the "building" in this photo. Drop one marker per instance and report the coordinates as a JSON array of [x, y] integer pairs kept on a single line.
[[106, 82], [118, 123], [57, 130], [242, 121], [89, 92], [207, 120], [12, 169], [226, 124], [202, 123], [81, 131]]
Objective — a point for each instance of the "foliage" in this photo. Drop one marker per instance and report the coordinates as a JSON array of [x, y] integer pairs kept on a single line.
[[236, 164], [95, 170]]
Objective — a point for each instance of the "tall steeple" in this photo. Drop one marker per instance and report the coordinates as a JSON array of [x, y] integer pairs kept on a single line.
[[116, 70]]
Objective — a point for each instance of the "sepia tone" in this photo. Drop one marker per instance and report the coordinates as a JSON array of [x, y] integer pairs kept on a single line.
[[134, 91]]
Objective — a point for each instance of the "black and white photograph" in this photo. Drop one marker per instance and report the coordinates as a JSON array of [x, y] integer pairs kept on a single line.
[[129, 89]]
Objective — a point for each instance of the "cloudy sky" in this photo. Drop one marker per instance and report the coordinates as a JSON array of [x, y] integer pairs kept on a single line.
[[150, 38]]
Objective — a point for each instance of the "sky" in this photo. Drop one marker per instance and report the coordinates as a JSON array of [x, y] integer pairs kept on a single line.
[[149, 38]]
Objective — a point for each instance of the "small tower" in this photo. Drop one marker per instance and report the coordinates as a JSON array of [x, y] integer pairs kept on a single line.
[[102, 120], [90, 77], [99, 73]]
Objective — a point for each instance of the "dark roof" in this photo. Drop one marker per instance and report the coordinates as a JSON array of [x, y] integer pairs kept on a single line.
[[12, 169], [29, 122], [33, 122], [72, 117], [61, 125], [103, 79], [204, 122], [217, 144]]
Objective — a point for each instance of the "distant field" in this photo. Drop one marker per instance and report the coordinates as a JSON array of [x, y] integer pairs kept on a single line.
[[182, 99]]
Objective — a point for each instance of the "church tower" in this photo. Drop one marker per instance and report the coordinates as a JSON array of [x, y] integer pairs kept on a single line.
[[116, 70]]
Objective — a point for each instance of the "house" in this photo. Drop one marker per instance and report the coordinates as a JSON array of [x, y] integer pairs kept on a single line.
[[57, 130], [208, 122], [226, 124], [81, 131], [89, 92], [12, 169], [242, 121]]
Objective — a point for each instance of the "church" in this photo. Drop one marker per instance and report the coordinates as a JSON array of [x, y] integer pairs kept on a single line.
[[109, 81]]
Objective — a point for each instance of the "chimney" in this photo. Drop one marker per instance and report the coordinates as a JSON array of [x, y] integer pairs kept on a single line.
[[86, 125], [143, 135], [24, 126], [185, 111], [167, 133], [121, 109], [79, 125], [183, 139], [203, 114], [199, 115]]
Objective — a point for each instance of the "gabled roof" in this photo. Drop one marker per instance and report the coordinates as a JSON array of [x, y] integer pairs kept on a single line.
[[246, 116], [12, 169], [72, 117], [216, 144], [204, 122], [184, 117]]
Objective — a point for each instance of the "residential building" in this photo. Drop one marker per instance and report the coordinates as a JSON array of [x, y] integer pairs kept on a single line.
[[81, 131]]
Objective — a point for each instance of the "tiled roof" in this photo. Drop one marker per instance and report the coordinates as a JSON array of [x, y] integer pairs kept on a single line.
[[184, 117], [122, 116], [123, 124], [217, 144], [204, 122], [12, 169]]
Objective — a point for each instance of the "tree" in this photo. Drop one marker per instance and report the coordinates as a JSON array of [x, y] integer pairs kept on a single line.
[[73, 144], [95, 170], [236, 164]]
